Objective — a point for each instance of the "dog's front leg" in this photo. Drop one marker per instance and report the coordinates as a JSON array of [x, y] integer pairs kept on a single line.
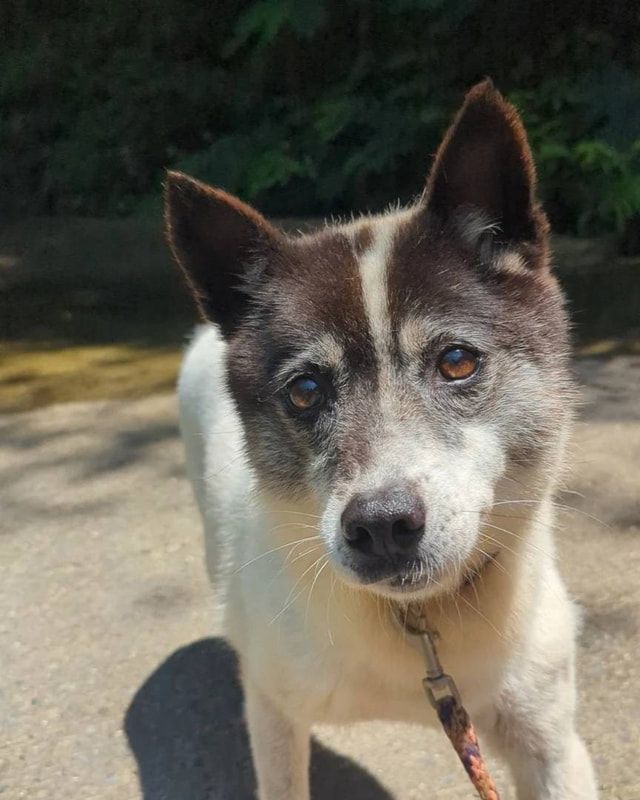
[[280, 749], [535, 731], [566, 774]]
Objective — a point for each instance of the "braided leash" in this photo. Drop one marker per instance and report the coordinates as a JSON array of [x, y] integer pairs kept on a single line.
[[443, 695]]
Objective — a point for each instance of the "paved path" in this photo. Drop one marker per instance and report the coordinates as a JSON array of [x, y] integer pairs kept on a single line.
[[114, 682]]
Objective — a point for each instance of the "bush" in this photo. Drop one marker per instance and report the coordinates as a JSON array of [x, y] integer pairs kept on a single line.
[[309, 106]]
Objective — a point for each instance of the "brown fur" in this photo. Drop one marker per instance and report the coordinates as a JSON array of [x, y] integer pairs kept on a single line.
[[274, 297], [397, 468]]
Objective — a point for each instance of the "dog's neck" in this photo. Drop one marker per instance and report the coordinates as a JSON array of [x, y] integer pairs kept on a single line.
[[415, 616]]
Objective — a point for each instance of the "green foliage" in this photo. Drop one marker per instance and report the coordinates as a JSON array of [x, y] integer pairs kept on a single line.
[[308, 106], [265, 19], [607, 192], [590, 185]]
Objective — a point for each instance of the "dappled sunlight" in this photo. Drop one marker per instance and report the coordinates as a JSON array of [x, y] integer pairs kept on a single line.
[[32, 376], [610, 347]]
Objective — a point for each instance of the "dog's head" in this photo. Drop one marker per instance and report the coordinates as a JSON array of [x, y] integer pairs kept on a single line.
[[399, 368]]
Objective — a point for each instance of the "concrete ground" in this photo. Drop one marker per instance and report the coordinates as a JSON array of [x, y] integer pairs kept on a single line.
[[115, 682]]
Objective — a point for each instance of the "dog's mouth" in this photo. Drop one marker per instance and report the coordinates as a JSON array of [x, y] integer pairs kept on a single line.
[[417, 576], [408, 582], [398, 578]]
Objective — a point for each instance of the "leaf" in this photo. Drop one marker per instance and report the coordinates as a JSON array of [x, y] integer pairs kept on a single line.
[[269, 169], [263, 20], [331, 117], [551, 151]]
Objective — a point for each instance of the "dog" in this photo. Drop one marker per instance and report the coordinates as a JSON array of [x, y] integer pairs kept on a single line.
[[375, 417]]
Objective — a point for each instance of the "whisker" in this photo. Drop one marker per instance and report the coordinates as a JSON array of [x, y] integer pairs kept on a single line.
[[522, 539], [300, 514], [493, 561], [315, 580], [501, 544], [378, 610], [553, 526], [389, 616], [330, 597], [558, 506], [274, 550], [510, 550], [290, 601], [573, 491], [475, 589], [293, 524], [455, 601], [297, 558], [483, 617]]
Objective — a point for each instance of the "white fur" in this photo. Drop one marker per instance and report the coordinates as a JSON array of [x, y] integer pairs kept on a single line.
[[373, 278], [313, 649]]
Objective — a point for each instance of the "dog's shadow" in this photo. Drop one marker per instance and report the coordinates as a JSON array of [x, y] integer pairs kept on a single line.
[[186, 729]]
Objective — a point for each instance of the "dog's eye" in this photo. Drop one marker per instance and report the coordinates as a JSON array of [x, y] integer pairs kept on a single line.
[[458, 363], [304, 393]]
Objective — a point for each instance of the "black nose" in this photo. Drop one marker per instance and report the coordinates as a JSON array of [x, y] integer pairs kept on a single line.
[[389, 522]]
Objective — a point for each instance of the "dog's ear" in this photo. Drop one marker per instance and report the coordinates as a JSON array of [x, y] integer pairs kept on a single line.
[[484, 166], [220, 243]]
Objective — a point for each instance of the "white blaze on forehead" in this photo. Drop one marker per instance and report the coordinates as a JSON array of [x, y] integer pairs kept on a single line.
[[373, 266]]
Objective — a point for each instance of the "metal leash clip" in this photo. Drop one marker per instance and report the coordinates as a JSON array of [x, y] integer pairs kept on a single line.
[[437, 684], [442, 693]]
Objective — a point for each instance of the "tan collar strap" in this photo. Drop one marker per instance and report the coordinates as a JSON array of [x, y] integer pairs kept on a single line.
[[443, 695]]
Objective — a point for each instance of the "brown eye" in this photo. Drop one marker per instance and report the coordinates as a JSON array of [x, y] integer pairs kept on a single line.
[[458, 363], [305, 393]]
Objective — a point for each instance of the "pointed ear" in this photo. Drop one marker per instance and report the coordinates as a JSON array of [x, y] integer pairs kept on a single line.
[[219, 242], [484, 165]]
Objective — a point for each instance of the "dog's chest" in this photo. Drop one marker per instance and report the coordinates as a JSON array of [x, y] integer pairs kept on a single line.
[[356, 679], [376, 672], [363, 694]]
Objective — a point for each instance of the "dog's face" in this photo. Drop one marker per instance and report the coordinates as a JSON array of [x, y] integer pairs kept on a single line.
[[398, 368]]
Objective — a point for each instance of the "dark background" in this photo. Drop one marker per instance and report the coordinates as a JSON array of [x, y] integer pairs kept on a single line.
[[309, 107], [306, 108]]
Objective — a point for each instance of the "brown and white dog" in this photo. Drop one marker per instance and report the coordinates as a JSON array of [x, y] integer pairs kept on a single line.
[[375, 417]]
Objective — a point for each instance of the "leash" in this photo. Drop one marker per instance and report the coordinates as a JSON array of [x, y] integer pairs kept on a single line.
[[443, 695]]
